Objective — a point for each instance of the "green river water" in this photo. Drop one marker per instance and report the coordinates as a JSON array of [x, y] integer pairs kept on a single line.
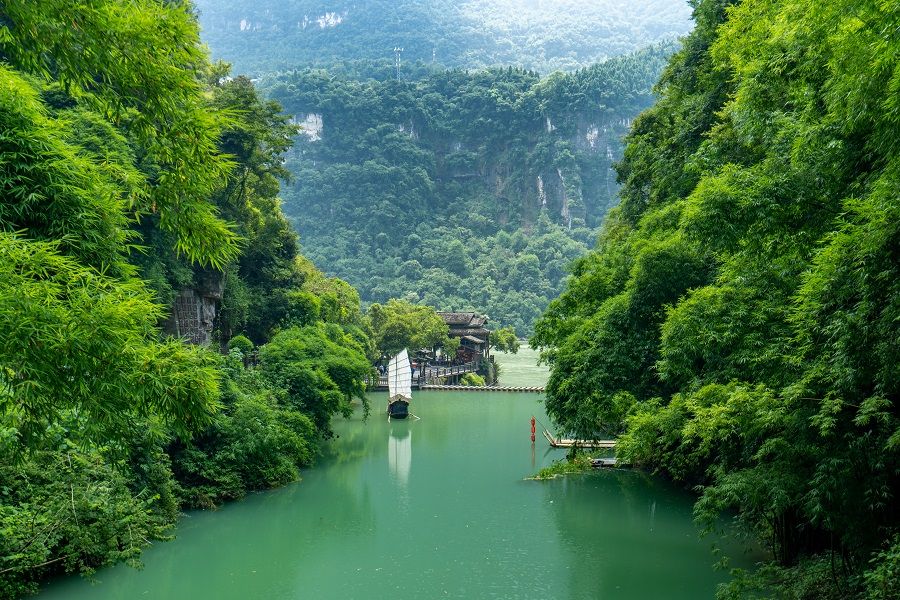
[[435, 508]]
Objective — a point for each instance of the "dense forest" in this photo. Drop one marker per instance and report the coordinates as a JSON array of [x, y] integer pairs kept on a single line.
[[464, 191], [737, 324], [540, 35], [131, 176]]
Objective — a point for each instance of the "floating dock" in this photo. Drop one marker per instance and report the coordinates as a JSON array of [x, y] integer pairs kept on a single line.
[[589, 444], [482, 388]]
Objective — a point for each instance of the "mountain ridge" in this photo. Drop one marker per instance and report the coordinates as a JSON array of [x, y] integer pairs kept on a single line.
[[538, 34]]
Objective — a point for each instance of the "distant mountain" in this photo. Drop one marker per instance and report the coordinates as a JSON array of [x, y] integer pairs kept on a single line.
[[469, 175], [542, 35], [462, 190]]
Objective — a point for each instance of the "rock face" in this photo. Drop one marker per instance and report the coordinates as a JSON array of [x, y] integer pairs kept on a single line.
[[312, 126], [578, 184], [194, 311]]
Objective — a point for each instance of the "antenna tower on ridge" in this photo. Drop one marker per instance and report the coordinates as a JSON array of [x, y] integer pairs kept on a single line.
[[398, 51]]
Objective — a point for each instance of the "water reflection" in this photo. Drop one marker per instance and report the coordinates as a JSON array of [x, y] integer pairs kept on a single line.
[[400, 454]]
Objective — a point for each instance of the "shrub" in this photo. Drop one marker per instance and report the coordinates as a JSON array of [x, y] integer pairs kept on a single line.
[[241, 343], [472, 379]]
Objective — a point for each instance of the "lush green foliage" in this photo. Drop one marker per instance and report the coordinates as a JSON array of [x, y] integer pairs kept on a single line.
[[77, 327], [464, 191], [399, 324], [240, 343], [505, 340], [738, 319], [76, 510], [579, 463], [255, 442], [543, 35], [156, 96], [317, 370], [472, 379], [78, 352], [112, 129]]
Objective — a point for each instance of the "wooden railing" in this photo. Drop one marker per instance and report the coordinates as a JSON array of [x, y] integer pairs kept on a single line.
[[432, 374], [437, 374]]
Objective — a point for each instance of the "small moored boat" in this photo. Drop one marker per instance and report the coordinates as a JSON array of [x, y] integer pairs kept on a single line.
[[399, 386]]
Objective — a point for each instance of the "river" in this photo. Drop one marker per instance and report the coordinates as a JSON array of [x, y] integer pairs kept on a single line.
[[434, 508]]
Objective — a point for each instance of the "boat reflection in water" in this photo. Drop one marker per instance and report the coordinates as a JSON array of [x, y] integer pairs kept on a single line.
[[400, 453]]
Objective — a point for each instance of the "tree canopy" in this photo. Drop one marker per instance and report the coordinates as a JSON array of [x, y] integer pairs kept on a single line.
[[141, 72], [505, 340], [737, 321], [318, 369], [117, 196], [77, 326], [399, 324]]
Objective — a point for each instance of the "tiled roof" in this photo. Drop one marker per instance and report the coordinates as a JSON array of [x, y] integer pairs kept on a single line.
[[455, 318], [465, 319]]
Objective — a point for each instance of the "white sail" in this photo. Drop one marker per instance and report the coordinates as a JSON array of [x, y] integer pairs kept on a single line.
[[400, 377]]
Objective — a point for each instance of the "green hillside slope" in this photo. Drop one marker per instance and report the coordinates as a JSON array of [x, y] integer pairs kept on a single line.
[[463, 190]]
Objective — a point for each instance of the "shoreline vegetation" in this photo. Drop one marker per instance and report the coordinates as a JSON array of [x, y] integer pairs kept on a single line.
[[580, 463], [135, 182]]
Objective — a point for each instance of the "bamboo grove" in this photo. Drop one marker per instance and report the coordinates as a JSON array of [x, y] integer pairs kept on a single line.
[[131, 168], [738, 322]]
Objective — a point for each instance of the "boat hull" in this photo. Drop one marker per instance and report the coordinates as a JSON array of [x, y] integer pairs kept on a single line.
[[398, 409]]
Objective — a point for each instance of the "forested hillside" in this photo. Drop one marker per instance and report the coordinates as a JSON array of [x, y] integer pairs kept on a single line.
[[738, 322], [541, 35], [463, 191], [117, 200]]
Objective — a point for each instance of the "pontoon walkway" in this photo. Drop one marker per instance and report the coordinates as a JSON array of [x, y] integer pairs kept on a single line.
[[561, 443]]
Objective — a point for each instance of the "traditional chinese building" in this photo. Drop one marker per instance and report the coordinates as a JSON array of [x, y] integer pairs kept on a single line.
[[474, 337]]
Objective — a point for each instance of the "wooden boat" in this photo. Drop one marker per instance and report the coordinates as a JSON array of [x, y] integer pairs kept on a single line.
[[399, 386]]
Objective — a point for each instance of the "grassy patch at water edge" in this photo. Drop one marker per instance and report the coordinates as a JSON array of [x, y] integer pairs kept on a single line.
[[578, 464]]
